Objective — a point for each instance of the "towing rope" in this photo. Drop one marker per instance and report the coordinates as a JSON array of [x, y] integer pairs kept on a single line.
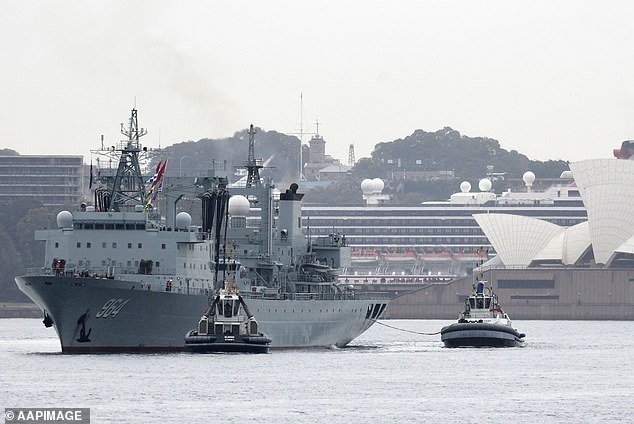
[[407, 331]]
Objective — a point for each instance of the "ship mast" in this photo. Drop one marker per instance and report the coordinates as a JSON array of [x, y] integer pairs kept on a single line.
[[128, 189], [252, 164]]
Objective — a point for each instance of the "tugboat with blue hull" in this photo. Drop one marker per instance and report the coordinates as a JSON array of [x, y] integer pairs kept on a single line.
[[483, 323], [227, 326]]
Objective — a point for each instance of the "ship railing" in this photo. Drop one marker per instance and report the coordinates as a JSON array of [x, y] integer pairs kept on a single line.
[[39, 271], [346, 295], [71, 272], [102, 272]]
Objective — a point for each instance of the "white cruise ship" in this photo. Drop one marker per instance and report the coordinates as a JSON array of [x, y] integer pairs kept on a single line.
[[436, 238]]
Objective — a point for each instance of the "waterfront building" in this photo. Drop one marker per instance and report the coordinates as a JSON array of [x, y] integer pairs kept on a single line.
[[55, 180]]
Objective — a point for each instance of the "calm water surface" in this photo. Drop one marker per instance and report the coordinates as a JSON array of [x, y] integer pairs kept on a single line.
[[568, 371]]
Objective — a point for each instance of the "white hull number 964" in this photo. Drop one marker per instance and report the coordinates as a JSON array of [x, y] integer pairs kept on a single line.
[[111, 308]]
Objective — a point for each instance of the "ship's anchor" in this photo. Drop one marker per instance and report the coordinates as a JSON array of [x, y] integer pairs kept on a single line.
[[83, 336], [48, 321]]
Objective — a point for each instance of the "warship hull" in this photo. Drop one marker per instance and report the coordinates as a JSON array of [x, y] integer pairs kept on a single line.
[[115, 315]]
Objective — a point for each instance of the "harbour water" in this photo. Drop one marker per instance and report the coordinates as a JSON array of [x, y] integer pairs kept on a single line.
[[568, 371]]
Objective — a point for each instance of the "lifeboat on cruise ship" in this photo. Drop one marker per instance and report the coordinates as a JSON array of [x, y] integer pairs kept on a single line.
[[364, 256], [407, 256]]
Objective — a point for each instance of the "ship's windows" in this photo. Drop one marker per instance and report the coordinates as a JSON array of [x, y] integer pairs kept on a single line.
[[158, 264], [129, 263], [56, 245], [129, 245], [163, 246], [78, 244], [119, 226], [140, 226], [140, 245], [185, 265], [98, 226], [129, 226], [103, 263], [81, 263], [136, 263], [77, 226], [114, 245], [89, 226], [87, 263], [88, 245], [103, 245]]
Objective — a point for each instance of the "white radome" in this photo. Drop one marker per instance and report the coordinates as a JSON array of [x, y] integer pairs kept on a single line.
[[367, 186], [378, 185], [484, 184], [183, 221], [239, 206], [65, 219]]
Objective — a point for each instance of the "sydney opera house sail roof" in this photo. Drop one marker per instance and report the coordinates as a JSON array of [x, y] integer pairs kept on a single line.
[[606, 239]]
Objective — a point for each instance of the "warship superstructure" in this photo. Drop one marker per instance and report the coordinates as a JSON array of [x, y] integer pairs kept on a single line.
[[117, 277]]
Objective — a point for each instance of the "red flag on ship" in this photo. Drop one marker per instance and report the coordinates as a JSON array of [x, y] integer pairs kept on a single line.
[[156, 182]]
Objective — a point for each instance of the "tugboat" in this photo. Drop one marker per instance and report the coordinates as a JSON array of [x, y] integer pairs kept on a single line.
[[483, 323], [227, 326]]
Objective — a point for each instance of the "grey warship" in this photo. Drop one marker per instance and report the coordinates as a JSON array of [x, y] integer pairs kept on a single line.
[[119, 277]]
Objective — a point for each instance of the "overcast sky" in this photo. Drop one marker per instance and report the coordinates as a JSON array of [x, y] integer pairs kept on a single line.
[[550, 79]]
